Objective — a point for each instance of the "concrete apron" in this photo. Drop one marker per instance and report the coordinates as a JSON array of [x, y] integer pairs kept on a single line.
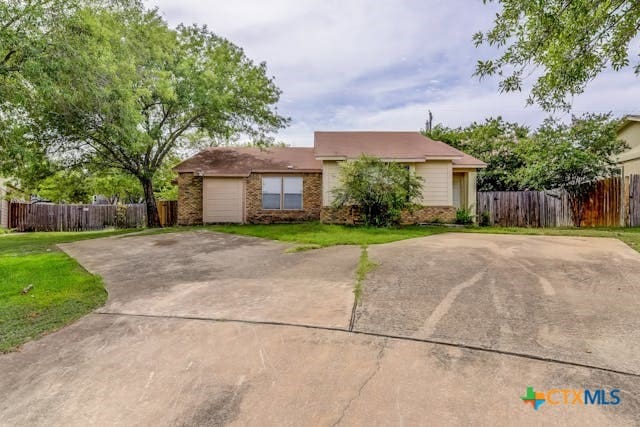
[[289, 358]]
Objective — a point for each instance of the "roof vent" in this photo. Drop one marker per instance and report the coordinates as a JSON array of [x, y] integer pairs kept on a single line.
[[289, 167]]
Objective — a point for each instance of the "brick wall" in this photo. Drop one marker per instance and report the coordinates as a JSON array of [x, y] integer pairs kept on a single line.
[[311, 201], [429, 214], [189, 199], [350, 215]]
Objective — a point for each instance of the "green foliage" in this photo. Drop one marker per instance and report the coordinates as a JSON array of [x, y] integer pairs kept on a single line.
[[328, 235], [572, 157], [570, 42], [322, 235], [485, 219], [121, 216], [65, 187], [464, 216], [116, 88], [365, 265], [380, 189], [495, 142], [116, 186], [62, 290]]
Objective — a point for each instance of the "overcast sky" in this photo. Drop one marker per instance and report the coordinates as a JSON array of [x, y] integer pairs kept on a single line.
[[378, 64]]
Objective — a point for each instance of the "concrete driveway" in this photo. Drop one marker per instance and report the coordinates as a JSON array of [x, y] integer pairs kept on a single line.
[[211, 329]]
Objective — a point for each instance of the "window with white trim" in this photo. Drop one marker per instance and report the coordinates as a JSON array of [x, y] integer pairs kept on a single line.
[[282, 192]]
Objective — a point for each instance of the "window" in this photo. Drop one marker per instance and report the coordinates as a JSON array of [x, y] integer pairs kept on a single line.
[[282, 193], [292, 190]]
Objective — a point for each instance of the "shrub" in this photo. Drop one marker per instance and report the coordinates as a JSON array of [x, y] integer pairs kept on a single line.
[[121, 216], [382, 190], [463, 216], [485, 219]]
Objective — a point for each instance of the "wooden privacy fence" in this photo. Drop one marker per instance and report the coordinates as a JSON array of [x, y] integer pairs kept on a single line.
[[613, 202], [168, 212], [525, 208], [631, 215], [49, 217]]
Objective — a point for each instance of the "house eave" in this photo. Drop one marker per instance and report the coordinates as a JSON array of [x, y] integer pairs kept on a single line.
[[477, 166]]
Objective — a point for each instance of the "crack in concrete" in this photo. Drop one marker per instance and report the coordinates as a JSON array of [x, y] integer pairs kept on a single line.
[[364, 384], [381, 335]]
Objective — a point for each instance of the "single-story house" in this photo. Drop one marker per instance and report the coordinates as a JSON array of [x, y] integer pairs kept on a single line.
[[629, 131], [290, 184]]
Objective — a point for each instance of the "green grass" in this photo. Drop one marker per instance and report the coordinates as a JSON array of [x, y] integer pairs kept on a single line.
[[364, 267], [322, 235], [62, 290], [315, 235]]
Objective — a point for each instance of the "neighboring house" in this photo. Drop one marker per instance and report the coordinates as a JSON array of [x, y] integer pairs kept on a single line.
[[6, 191], [629, 132], [288, 184], [4, 205]]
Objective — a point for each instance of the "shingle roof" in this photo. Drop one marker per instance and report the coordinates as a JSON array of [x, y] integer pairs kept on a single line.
[[387, 145], [241, 161]]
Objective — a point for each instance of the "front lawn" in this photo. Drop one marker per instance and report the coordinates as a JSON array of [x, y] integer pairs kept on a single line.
[[315, 234], [320, 235], [62, 290]]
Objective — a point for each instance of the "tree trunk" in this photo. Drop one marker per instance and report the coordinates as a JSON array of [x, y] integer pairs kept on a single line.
[[153, 219]]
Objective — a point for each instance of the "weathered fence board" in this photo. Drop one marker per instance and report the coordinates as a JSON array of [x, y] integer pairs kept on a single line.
[[613, 202], [632, 195], [525, 208], [168, 212], [50, 217], [604, 204]]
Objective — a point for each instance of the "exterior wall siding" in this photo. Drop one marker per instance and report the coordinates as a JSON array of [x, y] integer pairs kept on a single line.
[[437, 188], [330, 171], [189, 199], [350, 215], [631, 134], [631, 167], [311, 200]]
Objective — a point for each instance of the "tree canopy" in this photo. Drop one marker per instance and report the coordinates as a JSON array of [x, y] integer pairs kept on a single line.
[[493, 141], [557, 155], [564, 43], [571, 157], [117, 88]]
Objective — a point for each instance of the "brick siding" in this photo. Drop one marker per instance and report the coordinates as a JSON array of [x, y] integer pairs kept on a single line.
[[350, 215], [190, 204], [189, 199], [311, 201]]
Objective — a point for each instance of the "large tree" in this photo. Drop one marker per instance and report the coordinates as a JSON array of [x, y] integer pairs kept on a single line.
[[493, 141], [564, 44], [117, 88]]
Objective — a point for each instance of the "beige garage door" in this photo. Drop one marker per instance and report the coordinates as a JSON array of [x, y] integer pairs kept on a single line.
[[222, 200]]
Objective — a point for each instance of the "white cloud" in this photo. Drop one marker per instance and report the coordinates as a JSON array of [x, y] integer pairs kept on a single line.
[[360, 64]]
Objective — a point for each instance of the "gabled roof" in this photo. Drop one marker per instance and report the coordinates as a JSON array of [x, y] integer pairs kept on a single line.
[[399, 146], [241, 161], [628, 119]]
